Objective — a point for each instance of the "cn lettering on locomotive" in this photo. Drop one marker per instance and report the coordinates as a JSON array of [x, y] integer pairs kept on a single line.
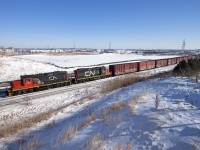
[[89, 73], [53, 78]]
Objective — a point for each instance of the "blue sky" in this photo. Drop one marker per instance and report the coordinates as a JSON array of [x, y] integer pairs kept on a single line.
[[95, 23]]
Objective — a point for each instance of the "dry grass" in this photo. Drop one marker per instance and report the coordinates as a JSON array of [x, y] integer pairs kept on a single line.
[[33, 144], [131, 105], [96, 142], [119, 83], [8, 130], [106, 112], [88, 119], [137, 99], [140, 97], [118, 106], [10, 127], [66, 134], [71, 130], [86, 99], [120, 147]]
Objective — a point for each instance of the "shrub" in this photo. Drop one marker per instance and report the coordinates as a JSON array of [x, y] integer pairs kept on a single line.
[[187, 68]]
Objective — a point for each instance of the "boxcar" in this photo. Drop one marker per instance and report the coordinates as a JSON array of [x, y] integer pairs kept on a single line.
[[173, 61], [161, 63], [178, 59], [158, 63], [164, 62], [142, 65], [90, 73], [120, 69], [151, 64], [145, 65], [169, 61]]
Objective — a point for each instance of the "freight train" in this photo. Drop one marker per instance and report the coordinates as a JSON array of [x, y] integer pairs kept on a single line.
[[37, 82]]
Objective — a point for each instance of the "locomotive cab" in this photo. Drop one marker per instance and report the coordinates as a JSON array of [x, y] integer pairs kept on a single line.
[[27, 82], [22, 84]]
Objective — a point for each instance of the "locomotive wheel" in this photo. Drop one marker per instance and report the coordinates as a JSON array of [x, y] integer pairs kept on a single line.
[[15, 93], [24, 91], [18, 92], [30, 90]]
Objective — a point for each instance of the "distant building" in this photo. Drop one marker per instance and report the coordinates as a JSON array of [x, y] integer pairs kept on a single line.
[[7, 50], [47, 51], [122, 51], [59, 51], [99, 50]]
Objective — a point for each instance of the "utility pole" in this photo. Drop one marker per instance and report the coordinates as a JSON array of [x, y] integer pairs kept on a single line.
[[183, 45], [109, 45], [74, 47]]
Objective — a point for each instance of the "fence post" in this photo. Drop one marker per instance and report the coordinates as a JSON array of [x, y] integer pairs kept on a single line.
[[197, 77]]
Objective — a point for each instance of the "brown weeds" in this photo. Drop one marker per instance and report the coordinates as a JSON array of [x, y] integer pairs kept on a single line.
[[96, 142], [21, 126], [119, 83], [120, 147], [88, 119], [66, 134], [33, 144]]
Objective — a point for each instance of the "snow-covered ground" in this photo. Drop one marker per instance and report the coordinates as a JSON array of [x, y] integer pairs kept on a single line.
[[12, 68], [87, 60], [125, 118]]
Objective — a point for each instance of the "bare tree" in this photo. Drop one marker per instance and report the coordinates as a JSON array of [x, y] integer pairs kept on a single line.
[[157, 101]]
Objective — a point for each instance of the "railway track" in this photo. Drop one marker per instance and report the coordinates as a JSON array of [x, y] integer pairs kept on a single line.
[[39, 94]]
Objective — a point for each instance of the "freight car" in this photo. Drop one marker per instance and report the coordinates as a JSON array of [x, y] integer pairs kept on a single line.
[[146, 65], [171, 61], [120, 69], [161, 63]]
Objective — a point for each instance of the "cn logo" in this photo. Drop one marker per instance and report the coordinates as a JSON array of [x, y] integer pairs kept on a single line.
[[89, 73], [53, 78]]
